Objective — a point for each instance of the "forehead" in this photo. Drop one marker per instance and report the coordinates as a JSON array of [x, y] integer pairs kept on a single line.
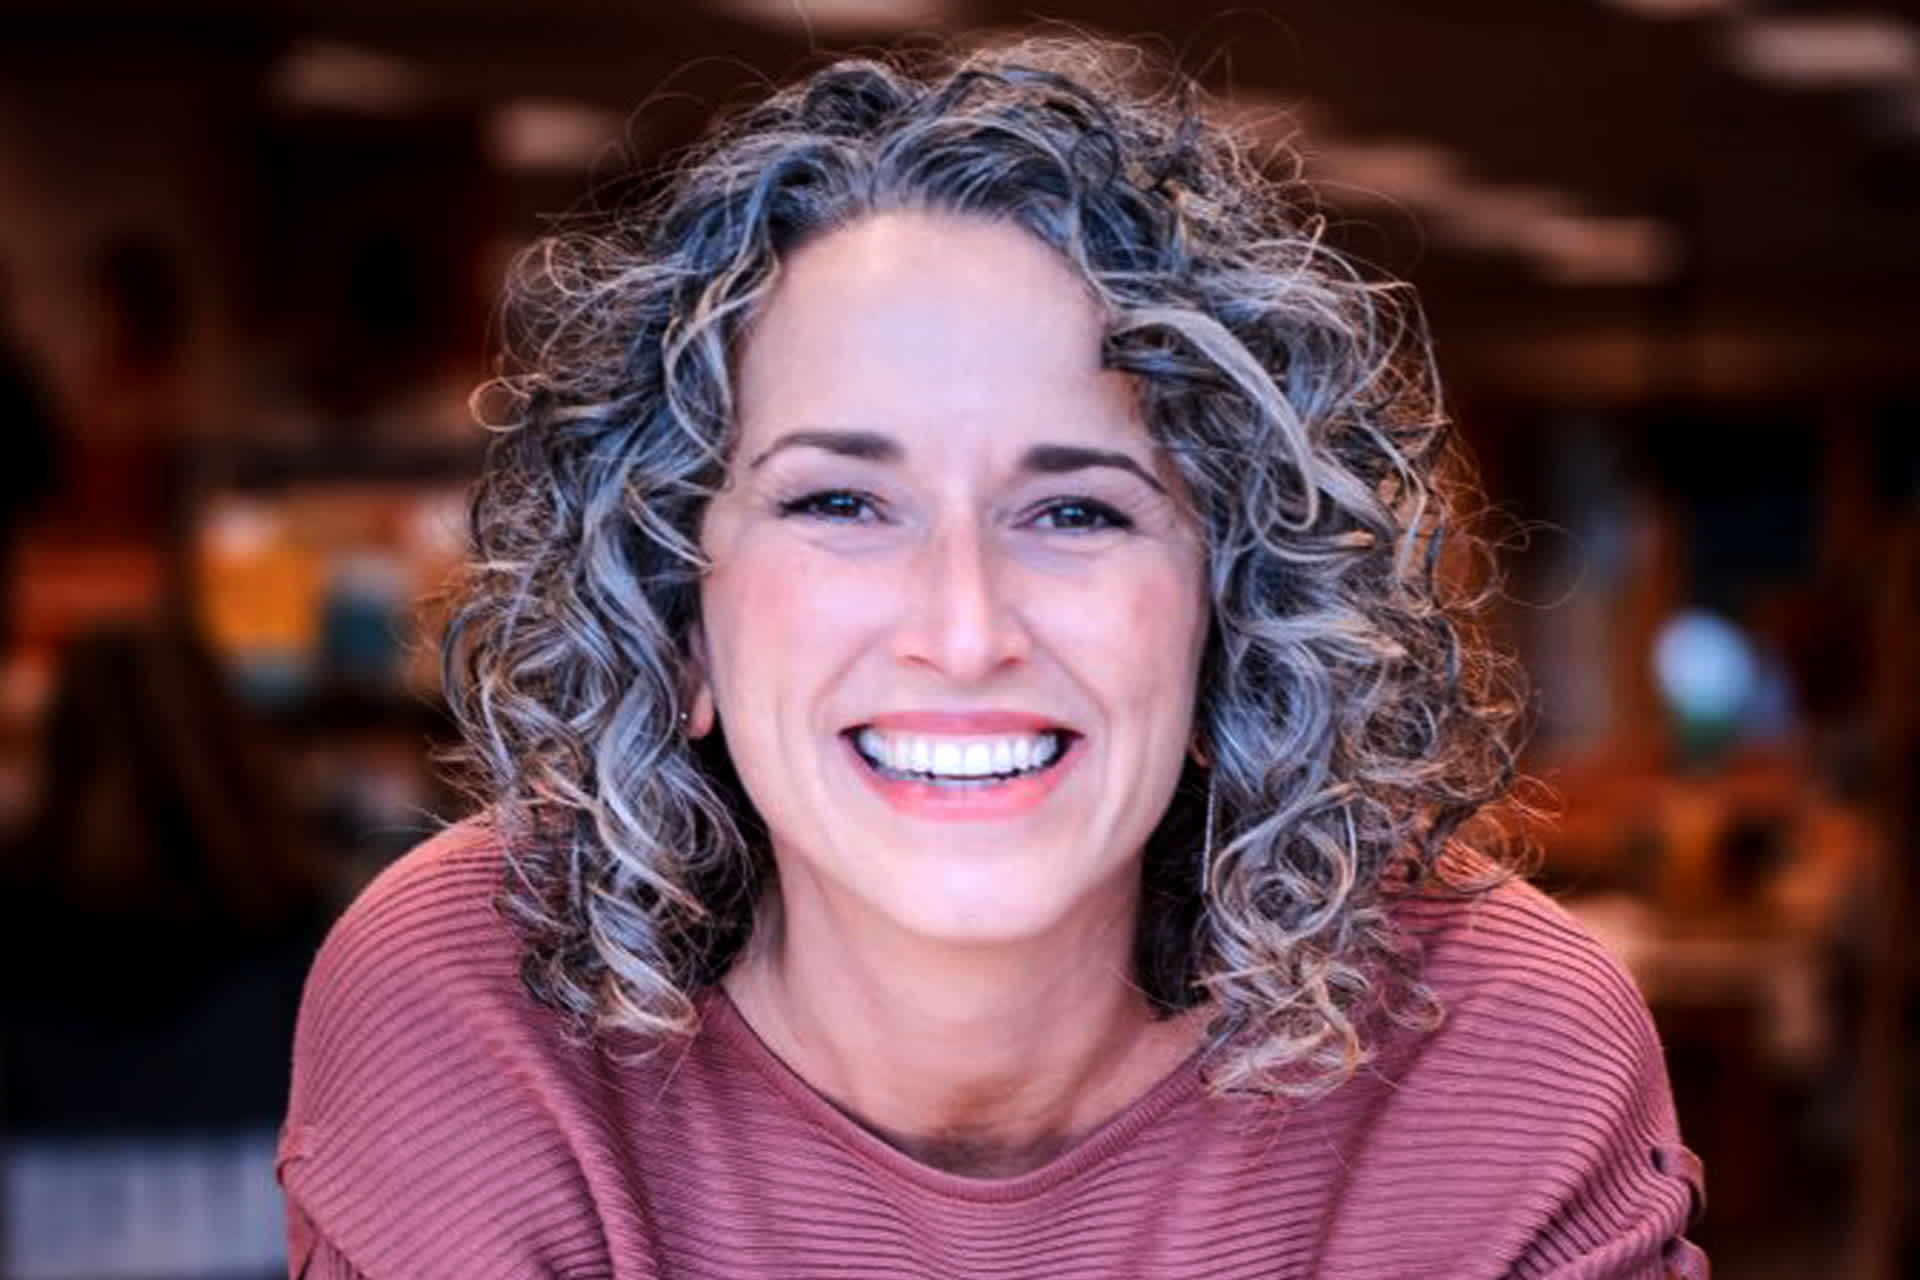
[[930, 327]]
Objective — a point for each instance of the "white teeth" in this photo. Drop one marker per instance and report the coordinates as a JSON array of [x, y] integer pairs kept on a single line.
[[958, 758]]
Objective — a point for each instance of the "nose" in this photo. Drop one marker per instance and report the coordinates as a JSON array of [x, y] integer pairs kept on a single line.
[[959, 616]]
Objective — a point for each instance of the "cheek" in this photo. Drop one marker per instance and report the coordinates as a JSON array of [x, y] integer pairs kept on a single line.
[[1137, 637], [776, 609]]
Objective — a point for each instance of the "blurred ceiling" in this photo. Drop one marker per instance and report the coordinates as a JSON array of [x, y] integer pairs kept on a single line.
[[1741, 208]]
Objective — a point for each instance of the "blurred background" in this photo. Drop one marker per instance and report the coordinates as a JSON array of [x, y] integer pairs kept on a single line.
[[248, 257]]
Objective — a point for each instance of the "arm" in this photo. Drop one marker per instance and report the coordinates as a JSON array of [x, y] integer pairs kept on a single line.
[[1614, 1187], [1620, 1205], [1533, 1133]]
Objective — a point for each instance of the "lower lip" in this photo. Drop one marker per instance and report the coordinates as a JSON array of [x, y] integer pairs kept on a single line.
[[973, 803]]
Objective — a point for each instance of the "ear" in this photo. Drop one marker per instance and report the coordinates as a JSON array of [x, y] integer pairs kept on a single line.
[[700, 711], [699, 689]]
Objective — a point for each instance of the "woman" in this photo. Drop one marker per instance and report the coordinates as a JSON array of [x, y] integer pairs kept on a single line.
[[976, 735]]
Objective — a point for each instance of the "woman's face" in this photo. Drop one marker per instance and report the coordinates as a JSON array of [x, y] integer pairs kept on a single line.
[[954, 618]]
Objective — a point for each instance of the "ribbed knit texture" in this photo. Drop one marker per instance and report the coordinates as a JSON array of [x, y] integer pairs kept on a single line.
[[441, 1126]]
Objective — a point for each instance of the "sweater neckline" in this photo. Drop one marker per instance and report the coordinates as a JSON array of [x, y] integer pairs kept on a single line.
[[723, 1019]]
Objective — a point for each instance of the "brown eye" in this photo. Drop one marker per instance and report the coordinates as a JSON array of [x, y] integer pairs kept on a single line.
[[1079, 515], [838, 506]]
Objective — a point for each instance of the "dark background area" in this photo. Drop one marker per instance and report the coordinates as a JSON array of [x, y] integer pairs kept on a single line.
[[1670, 250]]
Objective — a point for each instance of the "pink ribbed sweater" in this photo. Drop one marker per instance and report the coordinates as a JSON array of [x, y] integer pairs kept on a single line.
[[440, 1126]]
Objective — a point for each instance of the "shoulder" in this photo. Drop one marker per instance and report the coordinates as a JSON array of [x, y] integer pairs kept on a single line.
[[1512, 955], [1533, 1010], [422, 945], [421, 956], [430, 911]]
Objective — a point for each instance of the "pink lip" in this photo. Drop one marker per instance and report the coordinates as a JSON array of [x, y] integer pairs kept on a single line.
[[963, 721], [985, 802]]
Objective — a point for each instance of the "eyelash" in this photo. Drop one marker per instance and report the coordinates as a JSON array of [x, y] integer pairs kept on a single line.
[[817, 506], [1106, 515]]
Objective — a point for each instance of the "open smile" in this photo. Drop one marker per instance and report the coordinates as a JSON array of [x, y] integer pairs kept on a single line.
[[962, 776], [959, 761]]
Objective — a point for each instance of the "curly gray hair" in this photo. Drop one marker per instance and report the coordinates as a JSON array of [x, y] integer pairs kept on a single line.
[[1352, 712]]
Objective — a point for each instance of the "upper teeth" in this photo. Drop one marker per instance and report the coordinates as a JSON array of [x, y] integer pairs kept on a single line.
[[958, 757]]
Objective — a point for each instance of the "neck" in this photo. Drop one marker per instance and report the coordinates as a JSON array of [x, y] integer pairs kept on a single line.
[[979, 1059]]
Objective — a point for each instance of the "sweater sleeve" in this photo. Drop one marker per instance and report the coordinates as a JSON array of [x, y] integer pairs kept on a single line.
[[1574, 1060], [1616, 1186], [1533, 1135], [309, 1257], [437, 1124]]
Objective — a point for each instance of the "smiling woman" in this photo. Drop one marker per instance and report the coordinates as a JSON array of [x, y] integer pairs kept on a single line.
[[965, 666]]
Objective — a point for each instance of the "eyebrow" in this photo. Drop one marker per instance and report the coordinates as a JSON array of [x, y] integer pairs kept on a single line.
[[868, 446], [873, 446], [1057, 459]]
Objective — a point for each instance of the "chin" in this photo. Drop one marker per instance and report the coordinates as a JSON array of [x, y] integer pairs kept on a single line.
[[988, 905]]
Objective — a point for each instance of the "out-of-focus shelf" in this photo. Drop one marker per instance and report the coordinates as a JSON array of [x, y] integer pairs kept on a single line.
[[351, 460], [343, 708]]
